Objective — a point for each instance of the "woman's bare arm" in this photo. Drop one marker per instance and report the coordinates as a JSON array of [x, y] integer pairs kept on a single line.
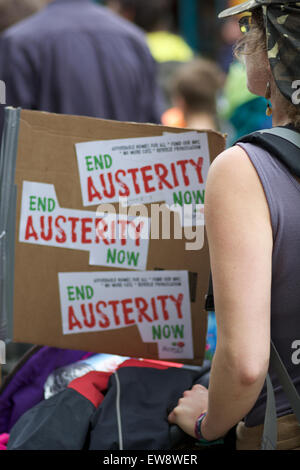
[[240, 242]]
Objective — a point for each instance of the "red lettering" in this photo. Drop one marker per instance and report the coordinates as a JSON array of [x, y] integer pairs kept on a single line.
[[142, 307], [123, 230], [178, 303], [73, 221], [106, 193], [153, 305], [113, 232], [137, 231], [92, 191], [174, 174], [49, 234], [101, 231], [127, 311], [163, 299], [30, 232], [73, 321], [97, 239], [125, 191], [198, 167], [63, 236], [114, 304], [105, 323], [162, 172], [133, 172], [85, 229], [147, 178], [183, 164], [92, 321]]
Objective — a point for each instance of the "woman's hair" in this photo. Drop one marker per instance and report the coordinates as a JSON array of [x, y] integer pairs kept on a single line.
[[255, 40]]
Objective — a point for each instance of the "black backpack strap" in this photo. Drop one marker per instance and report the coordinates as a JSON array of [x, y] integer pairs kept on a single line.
[[285, 133], [288, 386], [282, 142], [269, 439]]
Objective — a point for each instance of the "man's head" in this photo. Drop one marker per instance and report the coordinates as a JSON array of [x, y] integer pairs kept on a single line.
[[196, 85], [147, 14]]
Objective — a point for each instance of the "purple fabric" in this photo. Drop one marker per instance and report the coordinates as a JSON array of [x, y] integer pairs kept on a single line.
[[283, 196], [26, 387]]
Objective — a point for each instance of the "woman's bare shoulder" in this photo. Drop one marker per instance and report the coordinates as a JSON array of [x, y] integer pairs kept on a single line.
[[233, 168], [234, 186], [235, 155]]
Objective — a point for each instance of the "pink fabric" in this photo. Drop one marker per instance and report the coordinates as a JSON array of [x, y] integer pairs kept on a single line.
[[3, 441]]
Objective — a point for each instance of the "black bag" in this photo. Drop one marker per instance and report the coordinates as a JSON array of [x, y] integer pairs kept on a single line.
[[284, 144]]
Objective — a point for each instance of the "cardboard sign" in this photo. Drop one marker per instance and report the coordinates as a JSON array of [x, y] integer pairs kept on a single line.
[[64, 244], [167, 168], [158, 302], [112, 240]]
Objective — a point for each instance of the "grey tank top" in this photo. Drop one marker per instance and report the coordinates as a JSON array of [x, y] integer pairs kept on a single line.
[[282, 191]]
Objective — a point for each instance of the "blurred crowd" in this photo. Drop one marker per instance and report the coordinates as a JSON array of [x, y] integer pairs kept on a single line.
[[123, 60], [55, 60]]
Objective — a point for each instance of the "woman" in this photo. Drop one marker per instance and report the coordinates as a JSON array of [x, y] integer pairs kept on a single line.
[[253, 227]]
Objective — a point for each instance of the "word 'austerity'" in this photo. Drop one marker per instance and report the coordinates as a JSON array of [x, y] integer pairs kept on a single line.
[[147, 179], [118, 313]]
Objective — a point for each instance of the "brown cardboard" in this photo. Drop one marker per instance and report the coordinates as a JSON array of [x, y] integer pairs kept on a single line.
[[46, 154]]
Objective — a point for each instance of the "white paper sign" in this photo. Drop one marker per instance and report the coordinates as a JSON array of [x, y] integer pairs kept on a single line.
[[158, 302], [171, 168], [112, 239]]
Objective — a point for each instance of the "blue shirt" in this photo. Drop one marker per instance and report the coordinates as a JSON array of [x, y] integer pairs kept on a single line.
[[76, 57]]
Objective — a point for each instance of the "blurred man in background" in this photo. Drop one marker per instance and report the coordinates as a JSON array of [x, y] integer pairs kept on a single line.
[[76, 57], [155, 18], [168, 48]]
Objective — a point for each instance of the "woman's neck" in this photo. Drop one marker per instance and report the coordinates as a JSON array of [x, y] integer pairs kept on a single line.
[[279, 115], [279, 118]]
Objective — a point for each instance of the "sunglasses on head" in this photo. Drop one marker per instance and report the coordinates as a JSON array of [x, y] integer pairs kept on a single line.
[[245, 23]]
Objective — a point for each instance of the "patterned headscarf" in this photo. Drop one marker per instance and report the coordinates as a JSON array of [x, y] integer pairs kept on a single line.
[[282, 23]]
